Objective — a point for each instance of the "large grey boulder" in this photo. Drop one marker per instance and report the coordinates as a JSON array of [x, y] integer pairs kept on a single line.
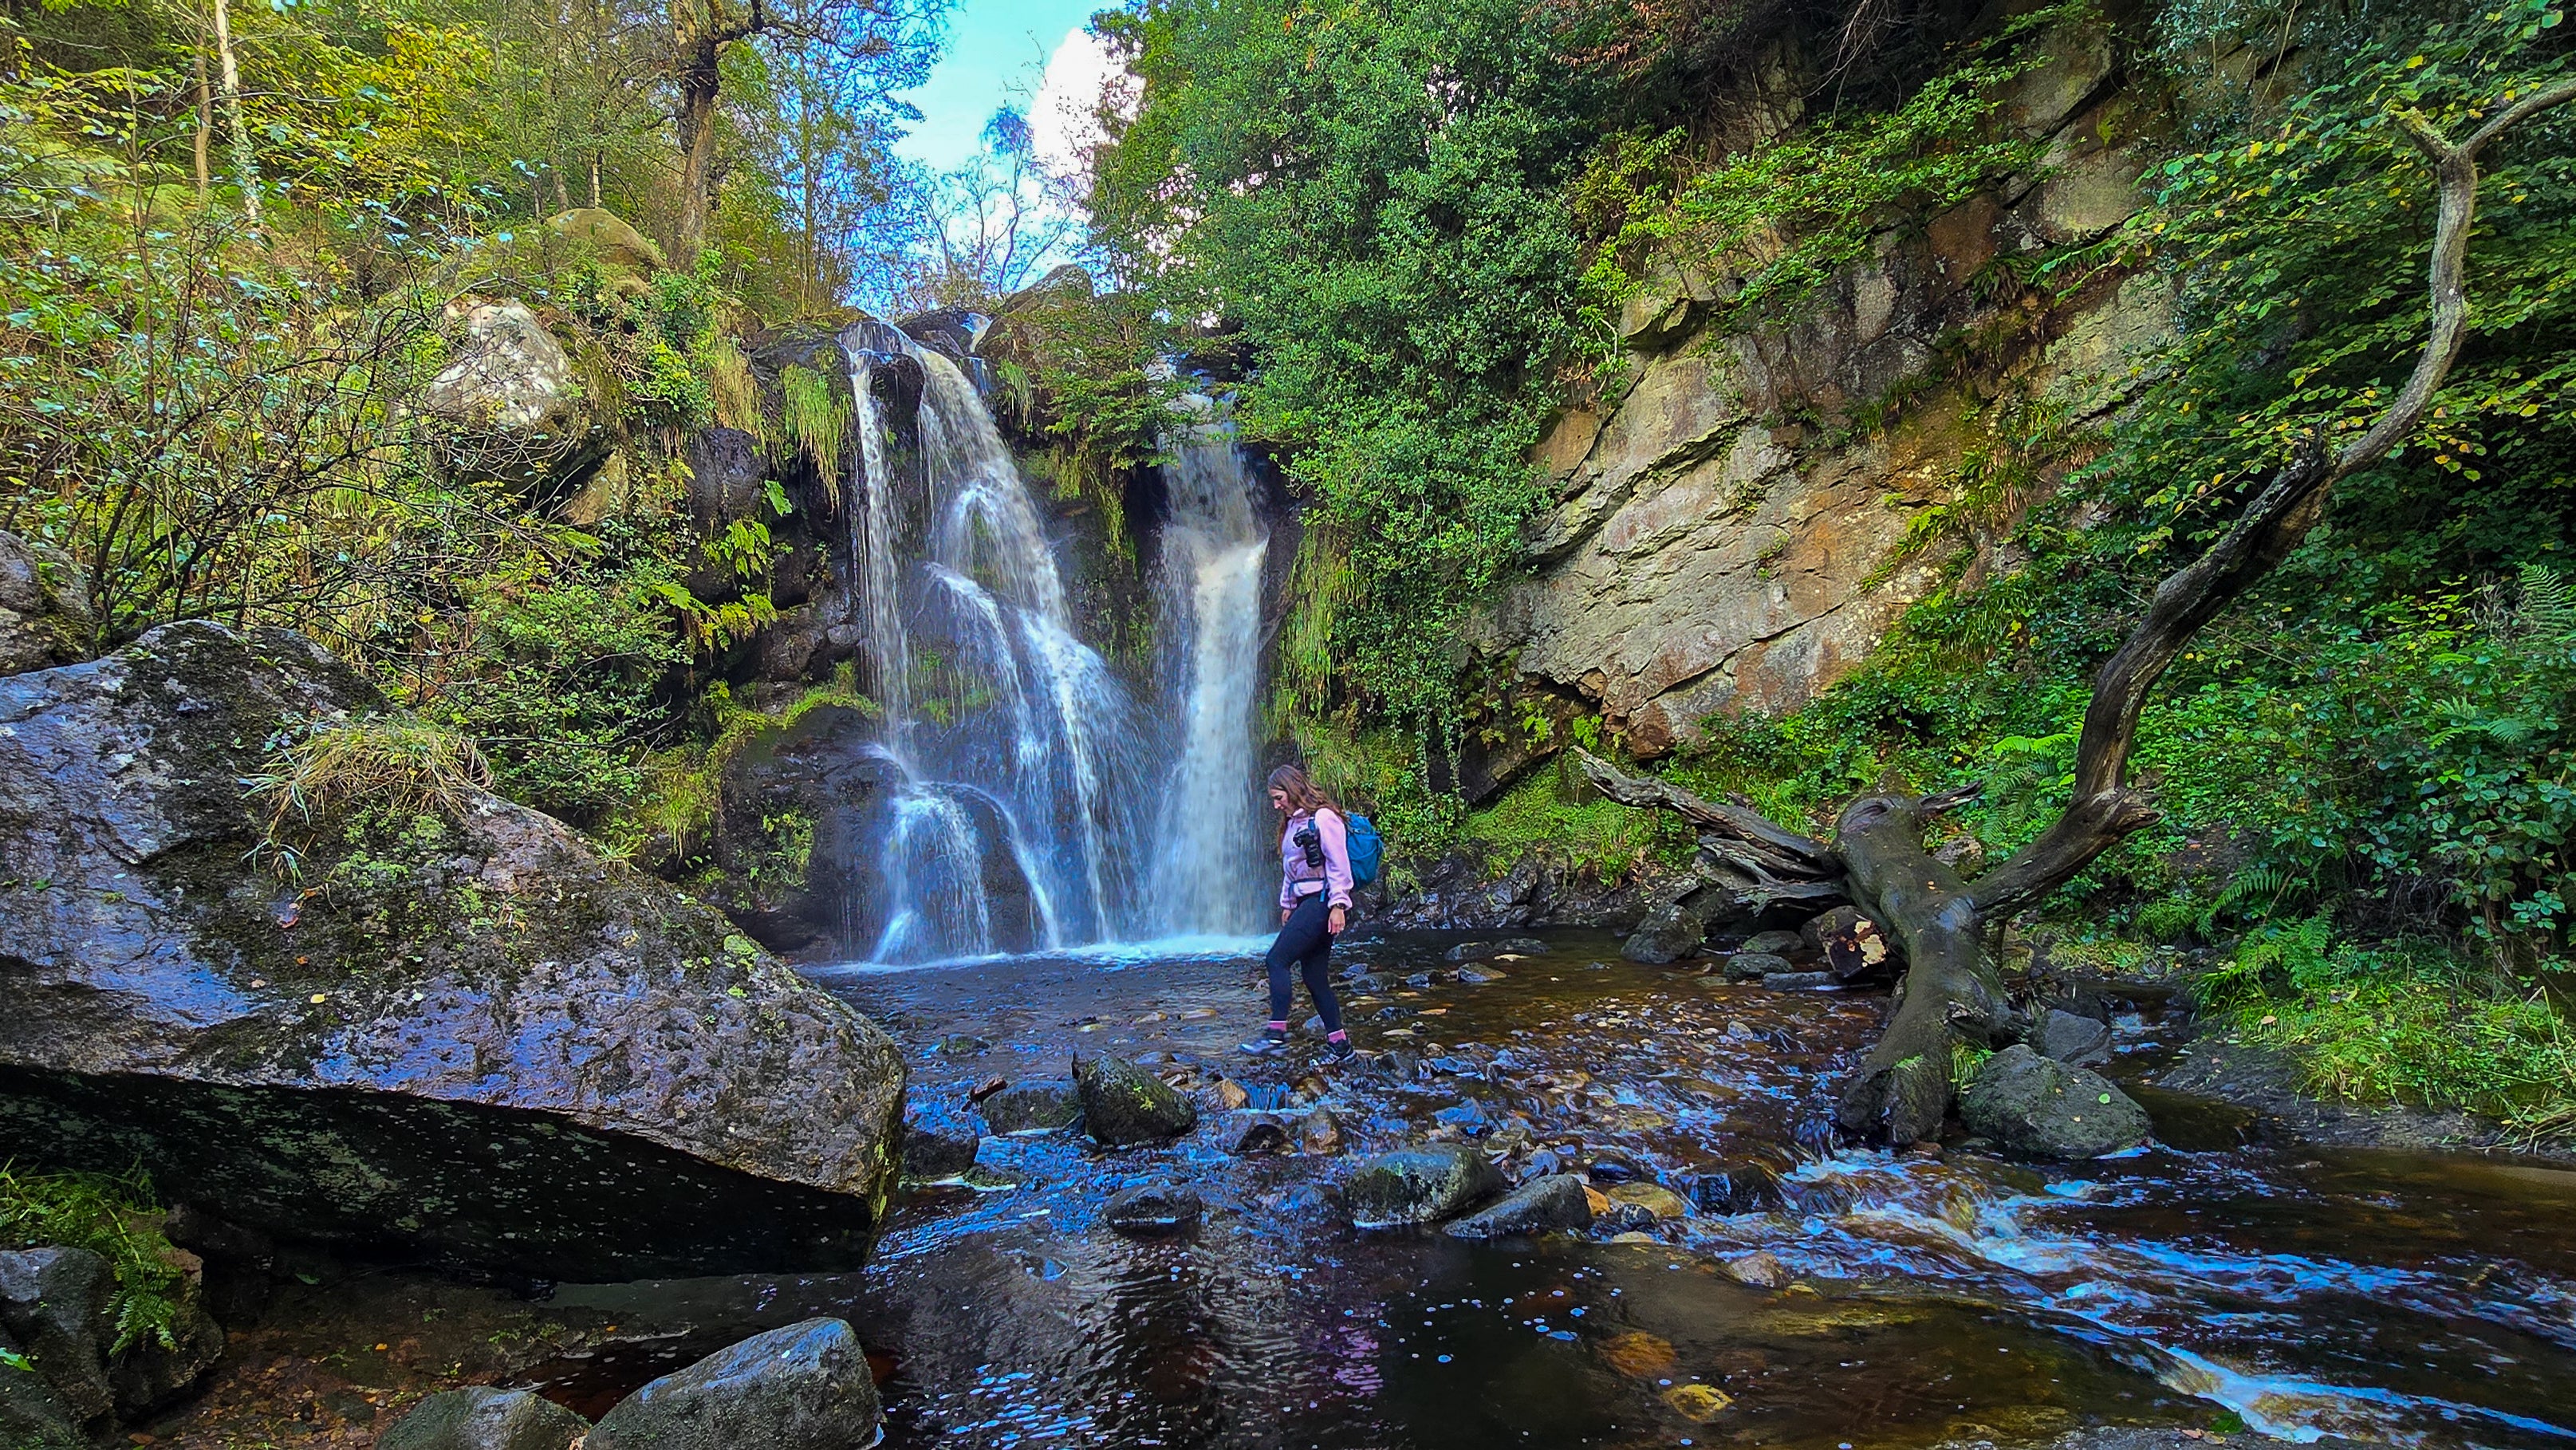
[[1419, 1185], [1555, 1201], [462, 1036], [804, 1387], [513, 406], [45, 617], [1123, 1103], [2042, 1108], [479, 1417], [1677, 928]]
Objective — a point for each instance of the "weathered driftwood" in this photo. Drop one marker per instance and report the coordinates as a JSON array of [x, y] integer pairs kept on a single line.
[[1951, 994]]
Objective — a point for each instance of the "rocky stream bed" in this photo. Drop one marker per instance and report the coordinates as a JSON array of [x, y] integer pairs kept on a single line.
[[1745, 1281]]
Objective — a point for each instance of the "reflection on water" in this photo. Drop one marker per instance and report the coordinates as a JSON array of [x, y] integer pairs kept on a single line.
[[2411, 1299]]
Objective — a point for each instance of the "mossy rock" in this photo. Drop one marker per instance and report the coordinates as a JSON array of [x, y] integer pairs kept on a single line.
[[462, 1036], [1124, 1104]]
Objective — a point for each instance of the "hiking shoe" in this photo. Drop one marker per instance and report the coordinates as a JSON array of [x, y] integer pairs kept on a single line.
[[1340, 1051], [1267, 1043]]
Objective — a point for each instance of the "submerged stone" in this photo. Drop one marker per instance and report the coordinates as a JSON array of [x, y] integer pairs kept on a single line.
[[804, 1387], [1153, 1208], [1554, 1201], [935, 1157], [479, 1417], [1419, 1185], [1123, 1103], [2042, 1108], [480, 1043], [1486, 951]]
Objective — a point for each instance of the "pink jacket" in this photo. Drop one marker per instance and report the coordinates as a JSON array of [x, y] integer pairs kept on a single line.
[[1335, 874]]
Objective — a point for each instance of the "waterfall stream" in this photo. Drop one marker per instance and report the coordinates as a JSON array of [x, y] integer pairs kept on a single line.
[[1213, 551], [1034, 801]]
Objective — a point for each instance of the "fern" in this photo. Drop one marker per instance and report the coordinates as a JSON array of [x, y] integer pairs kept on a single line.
[[2548, 604]]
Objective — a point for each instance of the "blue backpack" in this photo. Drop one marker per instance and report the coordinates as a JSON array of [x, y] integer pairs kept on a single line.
[[1367, 848]]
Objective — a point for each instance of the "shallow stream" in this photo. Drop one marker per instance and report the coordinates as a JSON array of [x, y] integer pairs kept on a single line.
[[2212, 1283]]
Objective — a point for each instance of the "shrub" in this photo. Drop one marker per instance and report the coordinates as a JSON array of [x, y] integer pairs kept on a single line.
[[114, 1218]]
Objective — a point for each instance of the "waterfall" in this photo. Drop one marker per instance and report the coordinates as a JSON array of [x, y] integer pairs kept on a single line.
[[1031, 801], [1211, 872]]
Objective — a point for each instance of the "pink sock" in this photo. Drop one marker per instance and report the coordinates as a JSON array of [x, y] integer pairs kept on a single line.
[[1278, 1026], [1337, 1035]]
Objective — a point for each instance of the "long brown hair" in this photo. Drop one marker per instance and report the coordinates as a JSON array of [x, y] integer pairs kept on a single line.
[[1302, 792]]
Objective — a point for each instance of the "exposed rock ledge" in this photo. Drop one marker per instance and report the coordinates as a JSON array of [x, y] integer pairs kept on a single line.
[[1732, 532], [470, 1040]]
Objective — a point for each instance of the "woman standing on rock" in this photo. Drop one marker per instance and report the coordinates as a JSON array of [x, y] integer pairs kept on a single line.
[[1314, 906]]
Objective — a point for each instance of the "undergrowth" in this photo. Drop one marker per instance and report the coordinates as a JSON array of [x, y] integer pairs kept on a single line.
[[114, 1217], [1608, 838], [396, 764]]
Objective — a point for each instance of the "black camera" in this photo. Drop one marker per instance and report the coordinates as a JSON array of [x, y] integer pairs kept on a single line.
[[1312, 842]]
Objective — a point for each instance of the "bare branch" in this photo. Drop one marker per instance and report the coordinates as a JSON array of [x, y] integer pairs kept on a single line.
[[2105, 808], [1787, 852]]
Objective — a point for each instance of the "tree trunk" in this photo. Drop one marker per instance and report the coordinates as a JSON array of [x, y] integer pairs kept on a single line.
[[205, 137], [245, 161], [1951, 994]]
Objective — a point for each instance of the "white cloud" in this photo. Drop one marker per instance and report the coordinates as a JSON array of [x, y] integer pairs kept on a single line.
[[1064, 122]]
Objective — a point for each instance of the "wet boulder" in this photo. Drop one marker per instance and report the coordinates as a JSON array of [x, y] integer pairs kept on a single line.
[[804, 1387], [2071, 1038], [45, 617], [1554, 1201], [1777, 943], [1754, 966], [1745, 1188], [1676, 929], [1050, 1106], [1124, 1104], [1419, 1185], [463, 1037], [2042, 1108], [479, 1417], [1151, 1209], [930, 1156]]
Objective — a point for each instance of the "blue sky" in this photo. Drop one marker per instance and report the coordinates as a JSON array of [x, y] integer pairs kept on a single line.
[[997, 49]]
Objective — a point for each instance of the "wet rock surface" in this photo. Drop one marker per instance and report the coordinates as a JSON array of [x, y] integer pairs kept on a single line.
[[482, 1418], [567, 1069], [1153, 1208], [1553, 1201], [1419, 1185], [2033, 1105], [1033, 1107], [803, 1387], [1123, 1104]]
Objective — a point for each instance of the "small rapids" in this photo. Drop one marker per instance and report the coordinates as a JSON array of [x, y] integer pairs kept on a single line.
[[2211, 1283]]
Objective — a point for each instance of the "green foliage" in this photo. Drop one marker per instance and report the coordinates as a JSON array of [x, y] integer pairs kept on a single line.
[[115, 1218], [818, 419], [394, 765], [2405, 1021], [1372, 199], [1800, 209], [1608, 839]]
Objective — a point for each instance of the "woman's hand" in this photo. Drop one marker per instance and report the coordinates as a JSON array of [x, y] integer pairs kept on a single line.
[[1284, 914], [1334, 923]]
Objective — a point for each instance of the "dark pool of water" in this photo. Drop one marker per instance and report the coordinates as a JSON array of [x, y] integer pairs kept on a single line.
[[2211, 1280]]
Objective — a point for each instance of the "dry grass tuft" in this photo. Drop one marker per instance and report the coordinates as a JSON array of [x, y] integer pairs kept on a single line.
[[395, 763]]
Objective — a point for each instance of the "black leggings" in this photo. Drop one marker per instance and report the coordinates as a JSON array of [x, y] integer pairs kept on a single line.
[[1304, 944]]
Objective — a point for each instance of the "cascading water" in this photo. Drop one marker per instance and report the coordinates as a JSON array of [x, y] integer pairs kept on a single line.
[[1213, 551], [1029, 801]]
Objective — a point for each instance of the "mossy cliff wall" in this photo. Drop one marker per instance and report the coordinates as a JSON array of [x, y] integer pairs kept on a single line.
[[1739, 526]]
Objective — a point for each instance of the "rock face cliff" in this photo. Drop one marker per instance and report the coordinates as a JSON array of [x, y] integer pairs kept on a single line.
[[1731, 532], [459, 1034]]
